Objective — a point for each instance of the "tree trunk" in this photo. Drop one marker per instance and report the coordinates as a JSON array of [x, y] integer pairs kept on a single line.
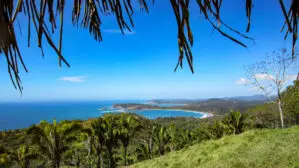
[[125, 155], [78, 163], [111, 161], [280, 112], [150, 147], [100, 159], [161, 149], [56, 163], [172, 147]]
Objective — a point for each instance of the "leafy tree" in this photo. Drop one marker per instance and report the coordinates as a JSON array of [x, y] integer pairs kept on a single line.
[[144, 150], [53, 140], [4, 157], [128, 126], [236, 121], [43, 19], [77, 153], [173, 134], [187, 137], [290, 99], [22, 156], [264, 116], [161, 138], [90, 160], [111, 135], [219, 129], [4, 160], [97, 139]]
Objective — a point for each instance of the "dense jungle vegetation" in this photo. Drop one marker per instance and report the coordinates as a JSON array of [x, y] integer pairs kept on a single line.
[[122, 139]]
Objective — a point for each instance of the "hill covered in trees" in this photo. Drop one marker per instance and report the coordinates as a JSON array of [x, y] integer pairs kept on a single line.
[[218, 106], [256, 148], [235, 139]]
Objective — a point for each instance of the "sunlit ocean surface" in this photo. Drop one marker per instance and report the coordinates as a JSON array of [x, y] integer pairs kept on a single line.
[[22, 115]]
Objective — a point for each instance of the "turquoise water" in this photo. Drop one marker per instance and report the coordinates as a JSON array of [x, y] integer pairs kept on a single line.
[[22, 115], [153, 114]]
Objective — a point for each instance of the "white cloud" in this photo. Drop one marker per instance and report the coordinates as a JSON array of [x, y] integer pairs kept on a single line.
[[117, 31], [263, 77], [241, 81], [293, 77], [73, 79]]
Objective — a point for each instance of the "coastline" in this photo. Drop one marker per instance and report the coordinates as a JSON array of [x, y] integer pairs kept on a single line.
[[205, 114]]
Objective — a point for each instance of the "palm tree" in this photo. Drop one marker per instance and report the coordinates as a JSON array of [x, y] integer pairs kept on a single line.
[[92, 147], [53, 140], [22, 156], [97, 139], [219, 129], [173, 134], [111, 135], [187, 137], [161, 138], [4, 158], [128, 126], [77, 152], [105, 131], [144, 150], [236, 121]]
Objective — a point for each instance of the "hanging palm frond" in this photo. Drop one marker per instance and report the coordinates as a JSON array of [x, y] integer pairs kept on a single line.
[[87, 13], [291, 20]]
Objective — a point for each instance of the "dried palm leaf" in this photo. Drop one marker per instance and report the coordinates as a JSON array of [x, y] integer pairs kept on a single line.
[[42, 14]]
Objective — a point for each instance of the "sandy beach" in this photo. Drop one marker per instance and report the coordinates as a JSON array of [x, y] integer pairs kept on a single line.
[[205, 114]]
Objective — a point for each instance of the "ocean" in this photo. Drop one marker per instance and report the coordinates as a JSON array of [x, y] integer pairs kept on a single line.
[[22, 115]]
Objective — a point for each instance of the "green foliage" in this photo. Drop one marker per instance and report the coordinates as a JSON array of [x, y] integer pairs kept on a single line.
[[290, 99], [53, 140], [256, 148], [22, 156], [218, 130], [236, 121], [111, 134], [267, 115], [264, 116], [116, 139], [78, 154], [173, 136], [161, 138], [127, 127], [145, 149], [4, 158], [97, 140]]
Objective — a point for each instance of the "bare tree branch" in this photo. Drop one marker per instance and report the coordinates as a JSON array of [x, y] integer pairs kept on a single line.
[[271, 76]]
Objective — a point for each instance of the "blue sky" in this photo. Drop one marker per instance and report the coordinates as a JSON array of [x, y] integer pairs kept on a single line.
[[140, 64]]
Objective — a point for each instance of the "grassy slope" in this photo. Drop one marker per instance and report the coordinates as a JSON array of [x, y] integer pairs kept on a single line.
[[260, 148]]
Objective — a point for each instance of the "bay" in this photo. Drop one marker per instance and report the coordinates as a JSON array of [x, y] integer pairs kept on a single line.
[[22, 115]]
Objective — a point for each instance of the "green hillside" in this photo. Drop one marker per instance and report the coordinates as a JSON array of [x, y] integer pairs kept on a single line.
[[257, 148]]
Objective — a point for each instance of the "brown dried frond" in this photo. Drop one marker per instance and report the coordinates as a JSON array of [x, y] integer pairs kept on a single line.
[[291, 20], [87, 13]]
